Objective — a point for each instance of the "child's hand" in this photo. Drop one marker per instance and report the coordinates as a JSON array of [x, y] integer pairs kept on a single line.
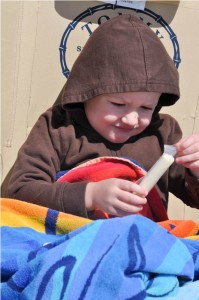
[[188, 153], [115, 196]]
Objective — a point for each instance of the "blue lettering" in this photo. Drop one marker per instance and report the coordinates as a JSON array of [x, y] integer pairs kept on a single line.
[[87, 28], [157, 31], [159, 34], [148, 23], [99, 20]]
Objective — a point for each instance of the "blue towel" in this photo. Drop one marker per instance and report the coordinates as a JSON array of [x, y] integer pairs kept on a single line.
[[120, 258]]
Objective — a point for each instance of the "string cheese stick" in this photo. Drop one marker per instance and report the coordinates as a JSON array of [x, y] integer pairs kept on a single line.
[[159, 168]]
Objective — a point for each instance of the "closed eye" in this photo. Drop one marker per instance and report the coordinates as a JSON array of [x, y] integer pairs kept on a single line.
[[147, 108], [117, 104]]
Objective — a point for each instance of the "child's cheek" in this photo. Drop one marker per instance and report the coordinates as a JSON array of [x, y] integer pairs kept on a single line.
[[145, 122], [110, 118]]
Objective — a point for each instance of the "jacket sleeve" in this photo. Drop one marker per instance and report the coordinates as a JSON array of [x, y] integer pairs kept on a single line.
[[184, 186], [34, 173]]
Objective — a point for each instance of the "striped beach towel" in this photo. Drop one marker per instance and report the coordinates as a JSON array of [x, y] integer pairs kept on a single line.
[[51, 255]]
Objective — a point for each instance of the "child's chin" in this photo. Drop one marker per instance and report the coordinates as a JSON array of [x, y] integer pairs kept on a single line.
[[118, 140]]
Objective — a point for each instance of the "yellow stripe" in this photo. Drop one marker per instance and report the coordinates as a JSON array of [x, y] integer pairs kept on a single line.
[[67, 223], [18, 220], [17, 213]]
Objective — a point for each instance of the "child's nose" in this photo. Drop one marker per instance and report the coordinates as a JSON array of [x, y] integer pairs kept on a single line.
[[131, 118]]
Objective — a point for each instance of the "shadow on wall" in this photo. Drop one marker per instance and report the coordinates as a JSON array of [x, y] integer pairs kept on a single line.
[[4, 185], [71, 9]]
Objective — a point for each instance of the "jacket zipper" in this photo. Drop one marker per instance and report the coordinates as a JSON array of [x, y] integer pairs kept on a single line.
[[114, 153]]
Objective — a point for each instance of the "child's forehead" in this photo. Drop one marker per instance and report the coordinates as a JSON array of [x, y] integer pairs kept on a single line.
[[129, 97]]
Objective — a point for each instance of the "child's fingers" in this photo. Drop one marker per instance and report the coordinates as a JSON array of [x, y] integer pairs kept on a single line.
[[131, 198], [185, 144], [132, 187], [121, 208], [189, 161], [190, 153]]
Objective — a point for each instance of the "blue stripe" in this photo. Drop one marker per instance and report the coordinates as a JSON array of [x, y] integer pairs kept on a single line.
[[60, 174], [50, 221]]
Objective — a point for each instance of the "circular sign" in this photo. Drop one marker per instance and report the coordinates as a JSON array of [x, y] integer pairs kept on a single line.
[[85, 23]]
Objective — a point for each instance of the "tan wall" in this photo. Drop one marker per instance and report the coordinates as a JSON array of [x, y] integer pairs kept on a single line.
[[31, 69]]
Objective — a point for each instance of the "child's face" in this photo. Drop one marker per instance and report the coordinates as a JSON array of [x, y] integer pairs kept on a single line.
[[119, 116]]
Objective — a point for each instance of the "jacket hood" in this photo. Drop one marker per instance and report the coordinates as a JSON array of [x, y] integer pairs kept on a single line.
[[122, 55]]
